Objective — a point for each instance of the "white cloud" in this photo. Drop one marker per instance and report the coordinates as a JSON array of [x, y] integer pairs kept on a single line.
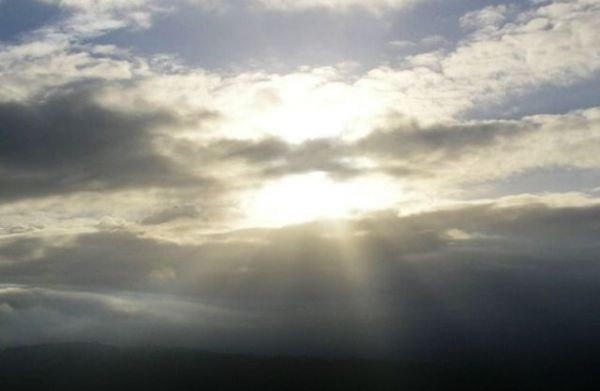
[[334, 4], [488, 17], [548, 44], [90, 17], [35, 66], [569, 140]]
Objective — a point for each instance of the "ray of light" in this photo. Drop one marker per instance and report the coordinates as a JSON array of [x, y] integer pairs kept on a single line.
[[353, 260]]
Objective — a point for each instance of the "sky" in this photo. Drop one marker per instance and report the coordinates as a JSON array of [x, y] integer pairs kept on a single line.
[[300, 176]]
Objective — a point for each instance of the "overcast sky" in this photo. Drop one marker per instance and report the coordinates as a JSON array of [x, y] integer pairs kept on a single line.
[[300, 175]]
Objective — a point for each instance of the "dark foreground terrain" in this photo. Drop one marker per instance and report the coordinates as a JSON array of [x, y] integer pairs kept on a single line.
[[101, 367]]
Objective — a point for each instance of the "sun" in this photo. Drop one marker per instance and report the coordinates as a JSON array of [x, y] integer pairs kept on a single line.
[[313, 196]]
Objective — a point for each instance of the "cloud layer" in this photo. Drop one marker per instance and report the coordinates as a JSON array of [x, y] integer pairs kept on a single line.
[[492, 272], [244, 208]]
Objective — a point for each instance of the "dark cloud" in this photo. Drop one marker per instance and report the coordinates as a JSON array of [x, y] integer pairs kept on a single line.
[[317, 155], [438, 143], [19, 248], [313, 252], [67, 142], [406, 150], [261, 151], [272, 157], [103, 260], [119, 318], [171, 214], [439, 280], [473, 275]]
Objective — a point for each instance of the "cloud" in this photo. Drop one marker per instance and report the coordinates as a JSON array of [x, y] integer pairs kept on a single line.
[[174, 213], [272, 157], [89, 18], [475, 151], [465, 152], [492, 64], [118, 318], [486, 68], [133, 159], [249, 259], [549, 44], [335, 4], [68, 142], [124, 182], [39, 65], [404, 273], [489, 17]]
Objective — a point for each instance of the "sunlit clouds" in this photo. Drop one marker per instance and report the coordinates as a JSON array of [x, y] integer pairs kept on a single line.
[[312, 196], [142, 186]]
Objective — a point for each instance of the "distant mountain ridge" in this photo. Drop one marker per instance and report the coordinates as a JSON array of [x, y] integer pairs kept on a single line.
[[94, 366]]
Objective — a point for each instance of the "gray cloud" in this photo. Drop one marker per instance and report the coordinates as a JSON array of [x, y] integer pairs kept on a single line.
[[485, 271], [113, 317], [460, 152], [275, 157], [438, 142], [405, 150], [67, 142], [134, 257], [170, 214]]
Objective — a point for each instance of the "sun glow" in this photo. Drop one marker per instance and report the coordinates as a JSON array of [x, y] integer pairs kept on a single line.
[[307, 197], [305, 105]]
